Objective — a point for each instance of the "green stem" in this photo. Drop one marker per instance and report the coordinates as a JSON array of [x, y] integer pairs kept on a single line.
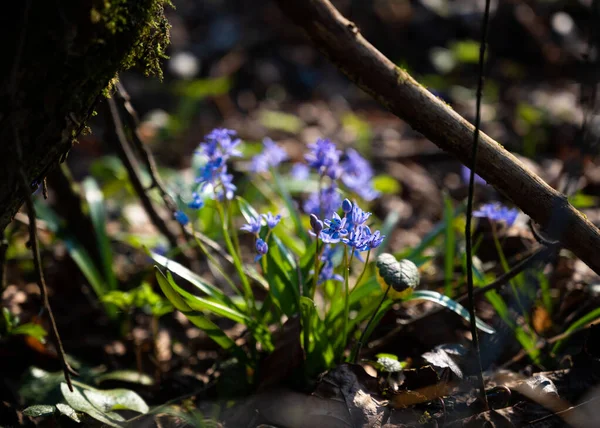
[[360, 277], [311, 293], [346, 300], [359, 345], [214, 262], [249, 296], [506, 268]]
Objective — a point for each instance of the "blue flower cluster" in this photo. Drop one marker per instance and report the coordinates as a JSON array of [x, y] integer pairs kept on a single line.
[[254, 226], [271, 156], [497, 212], [351, 229], [220, 145], [354, 172]]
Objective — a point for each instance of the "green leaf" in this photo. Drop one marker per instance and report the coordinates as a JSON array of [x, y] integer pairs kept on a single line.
[[199, 89], [387, 228], [80, 403], [39, 410], [449, 246], [291, 207], [281, 121], [200, 283], [196, 318], [30, 329], [95, 201], [386, 184], [247, 210], [445, 301], [200, 304], [577, 325], [100, 404], [68, 411], [283, 289], [130, 376], [77, 252]]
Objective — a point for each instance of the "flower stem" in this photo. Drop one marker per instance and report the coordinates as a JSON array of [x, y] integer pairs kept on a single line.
[[214, 261], [346, 301], [360, 277], [359, 345], [311, 293], [249, 296]]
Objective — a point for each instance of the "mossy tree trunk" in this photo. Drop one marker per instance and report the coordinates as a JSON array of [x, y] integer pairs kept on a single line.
[[59, 58]]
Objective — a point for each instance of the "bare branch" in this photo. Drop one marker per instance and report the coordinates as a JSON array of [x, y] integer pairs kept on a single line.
[[340, 40]]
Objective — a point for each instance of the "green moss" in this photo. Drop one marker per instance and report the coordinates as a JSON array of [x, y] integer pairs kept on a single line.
[[147, 19]]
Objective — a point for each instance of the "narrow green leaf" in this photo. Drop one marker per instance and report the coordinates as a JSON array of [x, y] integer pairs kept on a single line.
[[95, 200], [78, 401], [281, 286], [445, 301], [77, 252], [291, 208], [249, 213], [68, 411], [449, 246], [194, 279], [196, 318], [577, 325], [130, 376], [200, 304], [30, 329], [387, 228], [39, 410]]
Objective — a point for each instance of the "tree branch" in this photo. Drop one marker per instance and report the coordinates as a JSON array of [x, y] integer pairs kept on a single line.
[[340, 40]]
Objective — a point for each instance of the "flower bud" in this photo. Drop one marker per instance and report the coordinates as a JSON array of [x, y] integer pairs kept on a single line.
[[316, 224], [347, 206]]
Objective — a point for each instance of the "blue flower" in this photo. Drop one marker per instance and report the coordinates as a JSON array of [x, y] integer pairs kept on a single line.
[[357, 217], [253, 226], [497, 212], [271, 219], [329, 199], [261, 249], [271, 156], [227, 187], [357, 175], [316, 224], [327, 270], [197, 201], [300, 171], [181, 217], [221, 142], [324, 157], [346, 206], [465, 173], [334, 230]]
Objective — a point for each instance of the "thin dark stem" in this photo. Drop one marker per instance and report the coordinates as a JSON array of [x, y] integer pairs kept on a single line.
[[469, 249], [132, 122], [126, 155], [37, 263], [359, 345], [3, 249]]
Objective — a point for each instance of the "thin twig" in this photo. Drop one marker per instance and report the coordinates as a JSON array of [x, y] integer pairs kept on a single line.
[[133, 122], [468, 232], [3, 249], [341, 41], [121, 144]]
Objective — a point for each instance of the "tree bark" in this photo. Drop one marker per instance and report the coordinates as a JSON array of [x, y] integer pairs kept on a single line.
[[340, 40], [59, 55]]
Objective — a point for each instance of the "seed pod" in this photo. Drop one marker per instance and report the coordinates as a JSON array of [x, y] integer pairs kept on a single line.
[[402, 276]]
